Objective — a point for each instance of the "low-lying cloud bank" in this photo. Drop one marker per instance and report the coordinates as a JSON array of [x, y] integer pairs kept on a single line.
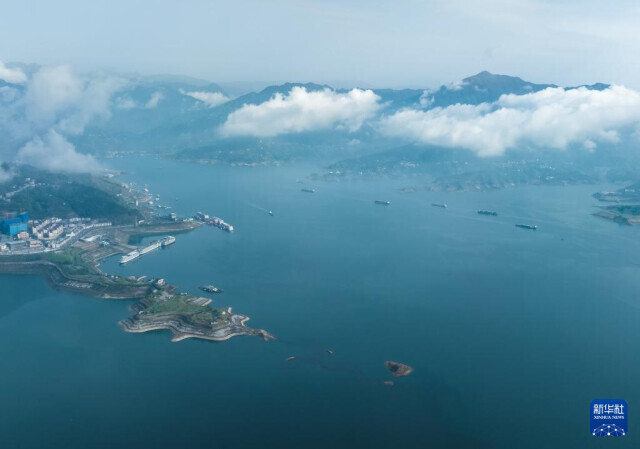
[[38, 113], [128, 103], [211, 99], [12, 75], [5, 175], [301, 111], [54, 153], [551, 118]]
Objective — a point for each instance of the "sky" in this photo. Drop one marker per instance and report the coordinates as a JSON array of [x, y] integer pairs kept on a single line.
[[370, 43]]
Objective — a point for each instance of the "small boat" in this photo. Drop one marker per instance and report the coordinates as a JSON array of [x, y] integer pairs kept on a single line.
[[210, 289], [526, 226], [382, 202], [309, 190], [443, 205], [288, 359], [488, 212], [167, 241], [329, 351], [271, 213]]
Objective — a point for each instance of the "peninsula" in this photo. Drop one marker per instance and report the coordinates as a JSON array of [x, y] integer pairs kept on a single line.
[[66, 249], [623, 207], [188, 316]]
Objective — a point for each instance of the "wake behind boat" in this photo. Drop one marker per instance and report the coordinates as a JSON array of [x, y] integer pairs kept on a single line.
[[526, 226]]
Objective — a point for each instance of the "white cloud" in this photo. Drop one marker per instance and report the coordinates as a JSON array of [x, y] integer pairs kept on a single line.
[[56, 102], [301, 111], [12, 76], [5, 175], [55, 153], [94, 102], [57, 97], [211, 99], [426, 98], [551, 118], [125, 103], [154, 100], [50, 91]]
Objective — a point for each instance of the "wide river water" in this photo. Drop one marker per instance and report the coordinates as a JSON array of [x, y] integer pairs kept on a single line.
[[511, 332]]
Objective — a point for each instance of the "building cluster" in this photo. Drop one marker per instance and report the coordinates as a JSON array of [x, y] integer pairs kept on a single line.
[[48, 229], [21, 235]]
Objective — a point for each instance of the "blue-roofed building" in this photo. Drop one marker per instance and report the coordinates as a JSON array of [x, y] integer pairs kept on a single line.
[[15, 223]]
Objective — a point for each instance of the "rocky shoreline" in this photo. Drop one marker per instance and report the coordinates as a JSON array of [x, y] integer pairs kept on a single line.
[[76, 269], [58, 280], [182, 328], [619, 215]]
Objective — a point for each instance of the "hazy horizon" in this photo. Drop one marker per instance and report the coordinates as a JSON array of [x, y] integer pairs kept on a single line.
[[372, 44]]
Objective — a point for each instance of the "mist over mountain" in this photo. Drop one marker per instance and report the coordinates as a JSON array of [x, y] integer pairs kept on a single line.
[[58, 119], [486, 87]]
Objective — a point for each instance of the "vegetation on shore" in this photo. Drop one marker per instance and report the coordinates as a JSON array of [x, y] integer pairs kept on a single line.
[[66, 196], [181, 305]]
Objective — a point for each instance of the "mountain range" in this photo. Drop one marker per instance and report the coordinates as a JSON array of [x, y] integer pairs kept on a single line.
[[183, 118], [184, 126]]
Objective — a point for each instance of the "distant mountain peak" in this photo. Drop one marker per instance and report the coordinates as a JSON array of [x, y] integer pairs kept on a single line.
[[286, 87], [481, 75], [486, 77]]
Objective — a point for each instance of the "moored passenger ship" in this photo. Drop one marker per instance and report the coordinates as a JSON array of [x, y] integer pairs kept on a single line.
[[129, 256]]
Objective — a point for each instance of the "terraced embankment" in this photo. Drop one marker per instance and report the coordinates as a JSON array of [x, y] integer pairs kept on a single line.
[[182, 327]]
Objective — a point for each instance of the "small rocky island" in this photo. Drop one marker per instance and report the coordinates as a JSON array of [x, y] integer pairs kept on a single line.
[[398, 369]]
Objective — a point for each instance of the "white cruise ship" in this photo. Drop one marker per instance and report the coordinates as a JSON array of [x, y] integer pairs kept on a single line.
[[130, 256], [150, 247]]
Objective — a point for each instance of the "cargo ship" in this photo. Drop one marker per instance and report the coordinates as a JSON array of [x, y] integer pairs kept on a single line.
[[488, 212], [150, 247], [309, 190], [382, 202], [129, 257], [210, 289], [526, 226], [443, 205], [168, 241]]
